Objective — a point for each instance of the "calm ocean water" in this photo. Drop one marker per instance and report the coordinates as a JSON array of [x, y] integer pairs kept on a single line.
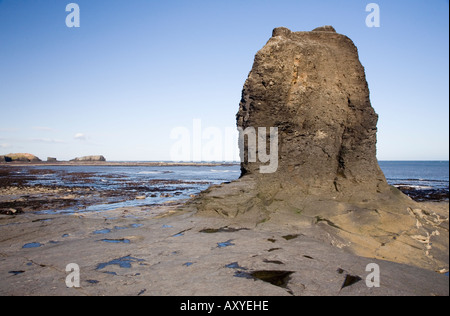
[[158, 184], [418, 174], [182, 181]]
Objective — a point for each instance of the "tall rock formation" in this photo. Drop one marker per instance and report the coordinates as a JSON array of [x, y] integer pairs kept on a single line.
[[312, 87]]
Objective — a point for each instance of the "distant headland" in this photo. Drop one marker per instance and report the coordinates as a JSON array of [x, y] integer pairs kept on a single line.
[[26, 159]]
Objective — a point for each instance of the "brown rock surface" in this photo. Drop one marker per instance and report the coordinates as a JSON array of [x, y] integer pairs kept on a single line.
[[312, 86]]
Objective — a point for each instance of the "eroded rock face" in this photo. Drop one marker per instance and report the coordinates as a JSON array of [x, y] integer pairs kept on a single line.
[[312, 86]]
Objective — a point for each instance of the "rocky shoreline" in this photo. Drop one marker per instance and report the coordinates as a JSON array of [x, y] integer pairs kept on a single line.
[[17, 196], [172, 249], [79, 190], [425, 195]]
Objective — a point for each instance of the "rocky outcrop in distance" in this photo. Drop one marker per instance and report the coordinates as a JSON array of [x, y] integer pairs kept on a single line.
[[90, 158], [19, 157], [33, 159]]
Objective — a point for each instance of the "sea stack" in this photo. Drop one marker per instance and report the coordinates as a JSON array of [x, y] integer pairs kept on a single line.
[[312, 88]]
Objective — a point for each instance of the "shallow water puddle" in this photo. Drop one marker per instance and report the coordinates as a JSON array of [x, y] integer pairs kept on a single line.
[[110, 272], [243, 274], [234, 265], [142, 292], [181, 233], [32, 245], [124, 262], [92, 281], [102, 231], [116, 241], [225, 244], [16, 272], [107, 230], [128, 227], [120, 227]]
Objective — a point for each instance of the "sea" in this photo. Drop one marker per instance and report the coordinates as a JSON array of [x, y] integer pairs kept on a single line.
[[178, 183], [417, 174]]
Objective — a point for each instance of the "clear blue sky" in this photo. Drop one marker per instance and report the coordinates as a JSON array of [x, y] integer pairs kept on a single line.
[[136, 69]]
